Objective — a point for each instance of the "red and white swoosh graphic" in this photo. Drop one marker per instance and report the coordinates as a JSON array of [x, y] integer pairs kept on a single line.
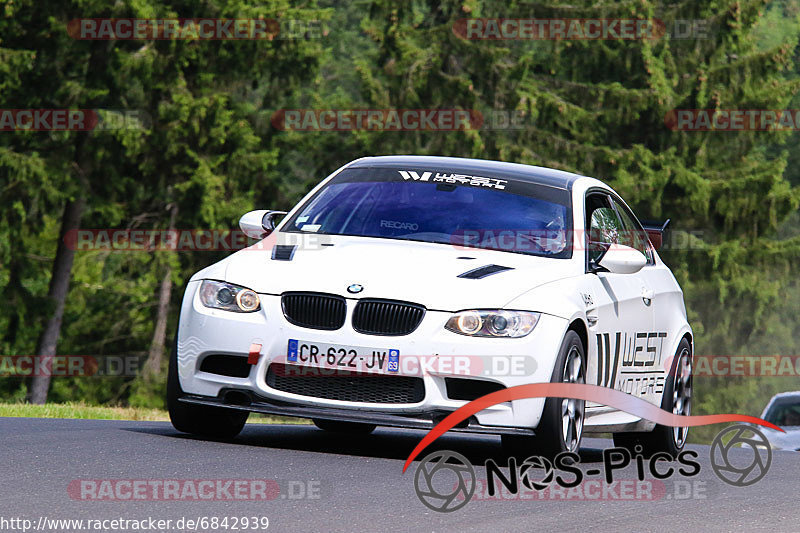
[[590, 393]]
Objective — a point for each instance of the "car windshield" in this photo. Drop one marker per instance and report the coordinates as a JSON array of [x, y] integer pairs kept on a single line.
[[784, 413], [441, 207]]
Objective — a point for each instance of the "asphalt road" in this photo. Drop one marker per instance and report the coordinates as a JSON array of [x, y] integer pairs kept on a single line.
[[354, 483]]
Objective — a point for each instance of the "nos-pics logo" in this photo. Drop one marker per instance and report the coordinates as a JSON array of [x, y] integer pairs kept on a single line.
[[445, 481]]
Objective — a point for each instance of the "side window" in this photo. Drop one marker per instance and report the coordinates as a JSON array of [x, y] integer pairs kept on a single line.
[[633, 234]]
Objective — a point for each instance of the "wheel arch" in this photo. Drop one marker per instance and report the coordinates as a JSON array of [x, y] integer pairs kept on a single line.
[[579, 326], [684, 333], [690, 338]]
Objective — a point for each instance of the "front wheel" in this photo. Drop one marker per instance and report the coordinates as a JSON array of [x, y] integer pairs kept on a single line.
[[561, 427], [213, 422], [677, 400]]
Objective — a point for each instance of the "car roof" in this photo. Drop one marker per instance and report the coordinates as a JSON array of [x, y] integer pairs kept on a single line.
[[516, 171], [790, 394]]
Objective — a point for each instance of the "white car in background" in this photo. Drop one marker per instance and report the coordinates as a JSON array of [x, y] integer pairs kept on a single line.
[[403, 287], [783, 410]]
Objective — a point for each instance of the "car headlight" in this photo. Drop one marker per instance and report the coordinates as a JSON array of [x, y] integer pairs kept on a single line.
[[221, 295], [492, 323]]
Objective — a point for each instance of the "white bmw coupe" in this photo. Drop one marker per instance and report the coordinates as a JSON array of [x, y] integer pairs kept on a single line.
[[403, 287]]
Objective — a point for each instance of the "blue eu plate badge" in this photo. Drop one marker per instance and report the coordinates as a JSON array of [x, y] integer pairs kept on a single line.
[[394, 361], [292, 354]]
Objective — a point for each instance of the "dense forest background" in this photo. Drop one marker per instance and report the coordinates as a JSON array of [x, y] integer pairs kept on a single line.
[[208, 152]]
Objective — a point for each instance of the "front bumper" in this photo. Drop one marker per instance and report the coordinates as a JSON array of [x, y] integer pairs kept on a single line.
[[234, 399], [508, 362]]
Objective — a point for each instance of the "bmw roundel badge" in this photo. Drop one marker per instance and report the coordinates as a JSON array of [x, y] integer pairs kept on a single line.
[[355, 288]]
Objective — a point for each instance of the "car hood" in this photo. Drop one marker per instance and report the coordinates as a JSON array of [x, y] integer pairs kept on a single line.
[[790, 440], [423, 273]]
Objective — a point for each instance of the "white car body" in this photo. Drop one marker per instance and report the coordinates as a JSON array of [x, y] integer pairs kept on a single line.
[[789, 439], [632, 324]]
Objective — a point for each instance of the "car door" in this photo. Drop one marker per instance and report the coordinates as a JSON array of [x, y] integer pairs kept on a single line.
[[620, 314], [664, 295]]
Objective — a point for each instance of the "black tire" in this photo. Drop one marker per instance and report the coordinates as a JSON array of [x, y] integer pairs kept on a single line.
[[213, 422], [550, 439], [665, 438], [336, 426]]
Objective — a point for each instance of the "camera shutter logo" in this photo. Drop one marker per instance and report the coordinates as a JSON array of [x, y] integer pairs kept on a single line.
[[445, 481], [730, 471], [536, 463]]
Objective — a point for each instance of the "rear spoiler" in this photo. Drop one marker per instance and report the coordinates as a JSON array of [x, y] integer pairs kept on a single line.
[[655, 231]]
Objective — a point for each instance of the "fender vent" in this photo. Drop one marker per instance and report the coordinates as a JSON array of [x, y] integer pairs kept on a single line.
[[482, 272], [469, 389], [283, 252], [234, 366]]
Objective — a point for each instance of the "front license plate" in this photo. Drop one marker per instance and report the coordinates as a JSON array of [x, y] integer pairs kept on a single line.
[[354, 358]]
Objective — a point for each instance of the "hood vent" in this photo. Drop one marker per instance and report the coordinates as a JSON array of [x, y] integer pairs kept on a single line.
[[482, 272], [283, 252]]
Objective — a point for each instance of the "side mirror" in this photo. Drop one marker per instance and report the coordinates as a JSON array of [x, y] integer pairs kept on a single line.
[[260, 223], [621, 259]]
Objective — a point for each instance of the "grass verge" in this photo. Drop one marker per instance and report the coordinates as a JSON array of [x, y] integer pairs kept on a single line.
[[95, 412]]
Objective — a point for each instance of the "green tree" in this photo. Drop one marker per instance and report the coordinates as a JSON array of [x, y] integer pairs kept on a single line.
[[198, 147]]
